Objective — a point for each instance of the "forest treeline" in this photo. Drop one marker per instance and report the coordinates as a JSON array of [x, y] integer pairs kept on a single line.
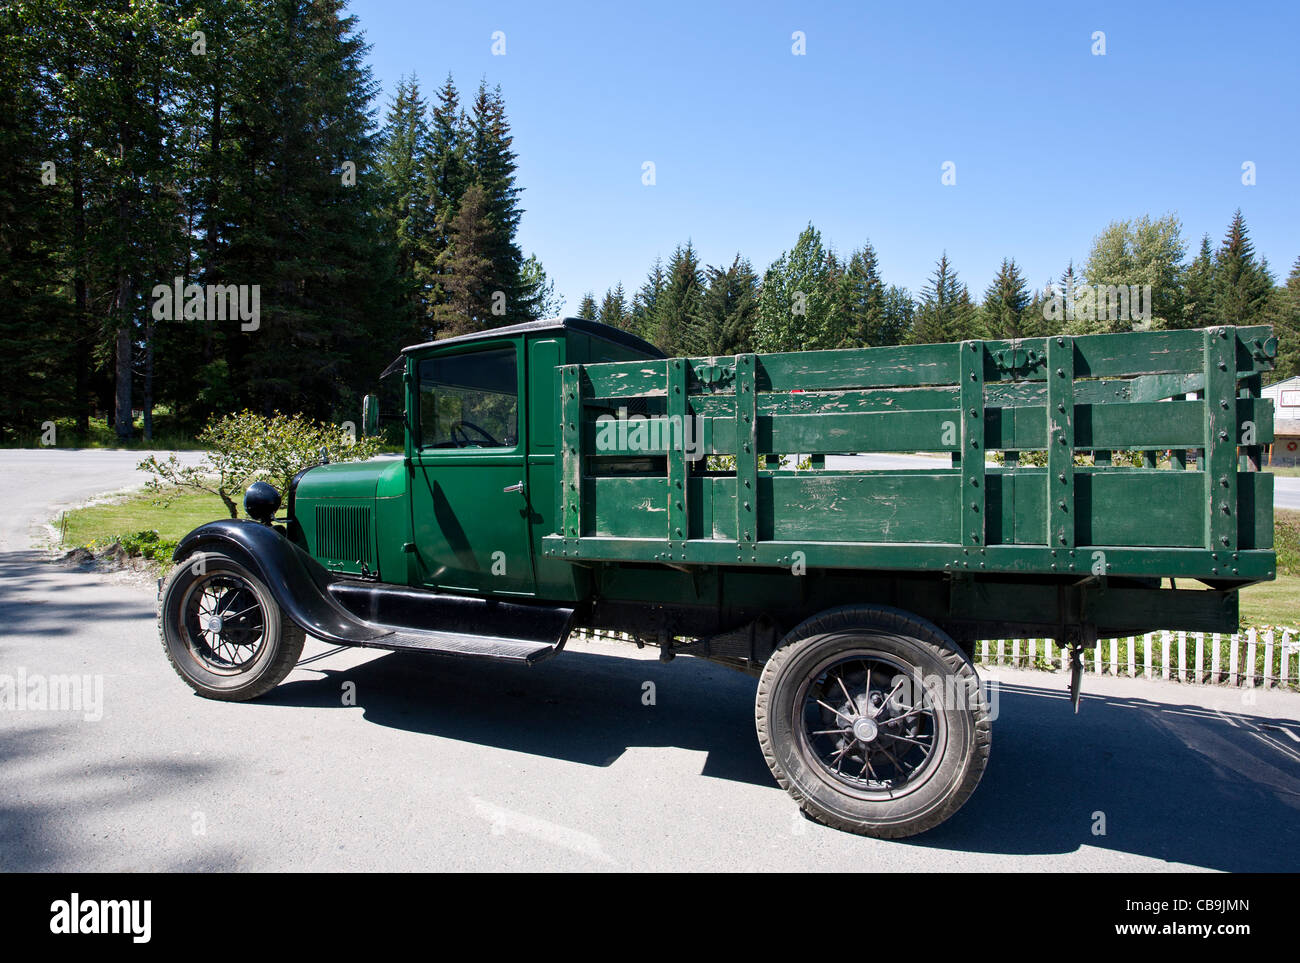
[[1136, 276], [204, 208], [230, 151]]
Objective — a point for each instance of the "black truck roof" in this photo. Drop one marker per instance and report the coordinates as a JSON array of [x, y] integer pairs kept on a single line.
[[595, 328]]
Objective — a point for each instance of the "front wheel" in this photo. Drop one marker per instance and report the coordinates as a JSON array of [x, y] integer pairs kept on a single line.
[[874, 721], [223, 631]]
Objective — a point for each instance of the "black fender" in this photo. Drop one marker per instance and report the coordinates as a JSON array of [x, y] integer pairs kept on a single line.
[[299, 583]]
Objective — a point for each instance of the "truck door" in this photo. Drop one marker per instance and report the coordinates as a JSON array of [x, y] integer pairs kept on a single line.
[[469, 503]]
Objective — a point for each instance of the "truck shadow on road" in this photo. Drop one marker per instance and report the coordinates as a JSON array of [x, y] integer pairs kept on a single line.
[[1175, 782]]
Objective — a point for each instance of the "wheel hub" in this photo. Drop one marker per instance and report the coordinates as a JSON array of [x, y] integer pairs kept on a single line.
[[865, 730], [213, 624]]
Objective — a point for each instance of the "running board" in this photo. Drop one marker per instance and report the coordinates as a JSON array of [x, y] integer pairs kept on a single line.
[[480, 646], [415, 620]]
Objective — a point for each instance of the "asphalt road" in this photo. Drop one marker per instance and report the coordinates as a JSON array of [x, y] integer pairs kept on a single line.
[[447, 765]]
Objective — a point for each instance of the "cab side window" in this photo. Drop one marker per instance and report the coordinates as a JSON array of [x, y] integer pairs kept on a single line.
[[470, 400]]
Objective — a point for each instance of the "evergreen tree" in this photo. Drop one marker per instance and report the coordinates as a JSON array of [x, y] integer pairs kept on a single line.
[[1198, 299], [614, 308], [34, 356], [646, 301], [1241, 284], [491, 158], [299, 230], [727, 310], [587, 306], [946, 312], [1284, 314], [897, 315], [862, 299], [1006, 308], [446, 176], [408, 218], [467, 269], [677, 306]]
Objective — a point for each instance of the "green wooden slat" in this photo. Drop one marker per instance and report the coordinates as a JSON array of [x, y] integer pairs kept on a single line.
[[1220, 468], [1060, 442], [571, 397], [909, 365], [1139, 507], [1154, 352], [628, 507], [875, 431], [971, 417], [678, 467], [1154, 424], [1159, 387], [833, 402], [1037, 560], [884, 507], [626, 379], [746, 434]]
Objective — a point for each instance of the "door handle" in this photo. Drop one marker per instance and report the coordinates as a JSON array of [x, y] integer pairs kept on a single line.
[[517, 487]]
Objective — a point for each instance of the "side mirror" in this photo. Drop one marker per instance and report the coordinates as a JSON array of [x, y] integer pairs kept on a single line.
[[370, 415]]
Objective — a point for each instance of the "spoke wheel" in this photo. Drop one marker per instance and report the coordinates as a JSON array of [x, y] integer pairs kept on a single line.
[[873, 720], [225, 623], [223, 631], [869, 723]]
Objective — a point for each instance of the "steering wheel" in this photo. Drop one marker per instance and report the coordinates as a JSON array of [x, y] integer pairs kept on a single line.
[[461, 437]]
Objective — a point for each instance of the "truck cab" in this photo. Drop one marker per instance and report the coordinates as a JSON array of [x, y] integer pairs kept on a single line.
[[466, 508]]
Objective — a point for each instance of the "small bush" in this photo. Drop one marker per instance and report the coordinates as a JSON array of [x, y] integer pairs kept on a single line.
[[244, 448]]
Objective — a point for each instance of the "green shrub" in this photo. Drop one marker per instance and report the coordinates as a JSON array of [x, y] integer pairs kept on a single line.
[[245, 447]]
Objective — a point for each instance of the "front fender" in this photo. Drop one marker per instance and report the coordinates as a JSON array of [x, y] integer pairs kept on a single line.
[[299, 583]]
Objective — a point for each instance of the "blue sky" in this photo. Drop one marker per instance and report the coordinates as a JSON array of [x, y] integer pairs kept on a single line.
[[751, 142]]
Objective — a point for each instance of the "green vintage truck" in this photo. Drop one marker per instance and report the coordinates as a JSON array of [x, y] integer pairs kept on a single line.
[[563, 473]]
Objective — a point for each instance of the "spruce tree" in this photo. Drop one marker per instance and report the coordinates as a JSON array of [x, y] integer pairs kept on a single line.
[[727, 310], [1005, 310], [1198, 302], [491, 160], [646, 301], [1241, 284], [408, 219], [1284, 314], [862, 299], [467, 269], [587, 306], [677, 306], [614, 309], [897, 316], [946, 312]]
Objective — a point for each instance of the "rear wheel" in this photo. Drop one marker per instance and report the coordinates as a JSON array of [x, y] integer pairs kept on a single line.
[[222, 630], [874, 721]]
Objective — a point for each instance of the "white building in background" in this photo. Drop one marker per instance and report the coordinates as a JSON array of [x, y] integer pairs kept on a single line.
[[1285, 396]]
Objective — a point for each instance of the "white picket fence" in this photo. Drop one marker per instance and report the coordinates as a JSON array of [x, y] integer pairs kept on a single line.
[[1251, 659]]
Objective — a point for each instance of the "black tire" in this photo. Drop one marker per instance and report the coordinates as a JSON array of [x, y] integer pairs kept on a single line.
[[848, 646], [252, 647]]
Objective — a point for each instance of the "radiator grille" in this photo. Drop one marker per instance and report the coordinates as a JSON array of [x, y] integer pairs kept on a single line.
[[343, 534]]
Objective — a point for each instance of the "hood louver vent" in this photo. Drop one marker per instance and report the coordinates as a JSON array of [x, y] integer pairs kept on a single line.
[[343, 534]]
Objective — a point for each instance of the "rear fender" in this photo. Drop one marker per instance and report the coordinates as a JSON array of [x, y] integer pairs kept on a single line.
[[299, 583]]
